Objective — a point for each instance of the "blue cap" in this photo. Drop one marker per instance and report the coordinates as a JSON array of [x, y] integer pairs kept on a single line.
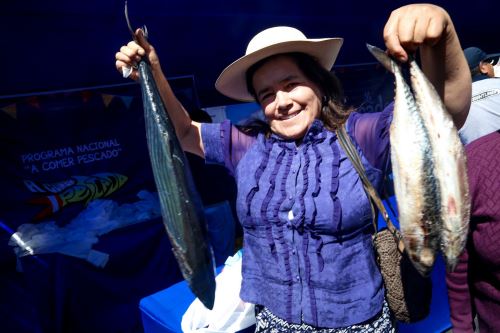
[[475, 55]]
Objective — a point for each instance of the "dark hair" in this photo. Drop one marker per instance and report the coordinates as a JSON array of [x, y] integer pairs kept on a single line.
[[333, 112], [475, 71]]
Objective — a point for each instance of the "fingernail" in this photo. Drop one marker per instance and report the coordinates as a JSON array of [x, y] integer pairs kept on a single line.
[[126, 71]]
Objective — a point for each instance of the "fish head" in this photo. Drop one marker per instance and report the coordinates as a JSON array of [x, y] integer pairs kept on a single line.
[[122, 179], [382, 57]]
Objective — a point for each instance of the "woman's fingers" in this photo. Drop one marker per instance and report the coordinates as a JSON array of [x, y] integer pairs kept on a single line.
[[410, 26], [127, 59], [392, 37]]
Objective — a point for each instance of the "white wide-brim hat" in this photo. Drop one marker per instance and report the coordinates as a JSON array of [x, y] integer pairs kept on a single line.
[[276, 40]]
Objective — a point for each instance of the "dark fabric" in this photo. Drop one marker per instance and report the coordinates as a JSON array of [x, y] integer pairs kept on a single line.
[[267, 322], [473, 288], [70, 295]]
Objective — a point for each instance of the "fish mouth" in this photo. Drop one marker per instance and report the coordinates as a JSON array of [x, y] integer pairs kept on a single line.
[[290, 115]]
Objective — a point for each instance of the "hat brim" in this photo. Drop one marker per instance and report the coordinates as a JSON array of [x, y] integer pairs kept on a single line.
[[232, 80], [493, 55]]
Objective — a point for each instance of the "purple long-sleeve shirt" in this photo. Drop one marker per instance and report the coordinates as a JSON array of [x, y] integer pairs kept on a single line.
[[307, 222], [474, 286]]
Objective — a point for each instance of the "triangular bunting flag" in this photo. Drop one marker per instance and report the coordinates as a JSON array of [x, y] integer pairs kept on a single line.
[[11, 110], [127, 100], [107, 99], [86, 95], [33, 102]]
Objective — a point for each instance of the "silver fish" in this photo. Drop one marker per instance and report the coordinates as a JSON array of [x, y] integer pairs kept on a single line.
[[181, 206], [450, 166], [416, 187]]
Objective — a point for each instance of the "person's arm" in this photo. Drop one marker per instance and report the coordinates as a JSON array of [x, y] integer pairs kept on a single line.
[[187, 130], [429, 28]]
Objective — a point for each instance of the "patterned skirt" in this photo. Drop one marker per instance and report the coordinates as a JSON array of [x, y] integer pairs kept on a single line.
[[267, 322]]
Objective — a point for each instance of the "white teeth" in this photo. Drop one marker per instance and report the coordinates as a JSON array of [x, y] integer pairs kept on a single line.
[[290, 116]]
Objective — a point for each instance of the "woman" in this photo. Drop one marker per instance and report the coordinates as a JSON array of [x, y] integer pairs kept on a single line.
[[308, 261]]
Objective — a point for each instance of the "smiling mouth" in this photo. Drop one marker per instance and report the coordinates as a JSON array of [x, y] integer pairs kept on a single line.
[[290, 116]]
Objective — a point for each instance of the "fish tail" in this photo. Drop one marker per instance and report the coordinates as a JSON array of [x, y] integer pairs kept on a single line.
[[52, 204], [382, 57]]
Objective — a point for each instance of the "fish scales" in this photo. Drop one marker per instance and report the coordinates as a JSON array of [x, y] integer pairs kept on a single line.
[[450, 167], [415, 185], [181, 205]]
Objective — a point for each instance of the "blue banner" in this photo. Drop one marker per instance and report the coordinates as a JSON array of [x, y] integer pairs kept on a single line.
[[59, 154]]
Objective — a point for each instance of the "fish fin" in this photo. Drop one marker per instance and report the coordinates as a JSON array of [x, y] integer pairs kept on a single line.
[[381, 56], [131, 30]]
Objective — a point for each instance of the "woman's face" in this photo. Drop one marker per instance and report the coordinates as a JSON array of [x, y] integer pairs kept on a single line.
[[290, 101]]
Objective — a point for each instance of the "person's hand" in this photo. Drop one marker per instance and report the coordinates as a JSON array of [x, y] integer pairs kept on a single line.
[[410, 26], [129, 55]]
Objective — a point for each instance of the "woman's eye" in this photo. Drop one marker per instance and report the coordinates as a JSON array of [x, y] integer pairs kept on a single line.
[[266, 97], [291, 85]]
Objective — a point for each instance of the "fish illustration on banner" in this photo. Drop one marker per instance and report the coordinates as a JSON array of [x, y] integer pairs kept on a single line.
[[73, 190]]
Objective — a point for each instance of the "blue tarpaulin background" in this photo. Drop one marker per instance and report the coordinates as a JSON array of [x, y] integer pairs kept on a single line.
[[58, 44]]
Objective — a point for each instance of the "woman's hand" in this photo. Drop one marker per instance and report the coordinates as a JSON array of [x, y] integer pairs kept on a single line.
[[188, 131], [430, 29], [414, 25], [129, 56]]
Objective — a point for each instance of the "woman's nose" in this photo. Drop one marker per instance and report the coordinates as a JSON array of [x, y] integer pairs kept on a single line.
[[283, 100]]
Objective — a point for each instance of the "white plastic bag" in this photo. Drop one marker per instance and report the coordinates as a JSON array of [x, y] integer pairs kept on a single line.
[[230, 313], [77, 237]]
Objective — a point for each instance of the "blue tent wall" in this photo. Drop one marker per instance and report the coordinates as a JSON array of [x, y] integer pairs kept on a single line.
[[53, 45]]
